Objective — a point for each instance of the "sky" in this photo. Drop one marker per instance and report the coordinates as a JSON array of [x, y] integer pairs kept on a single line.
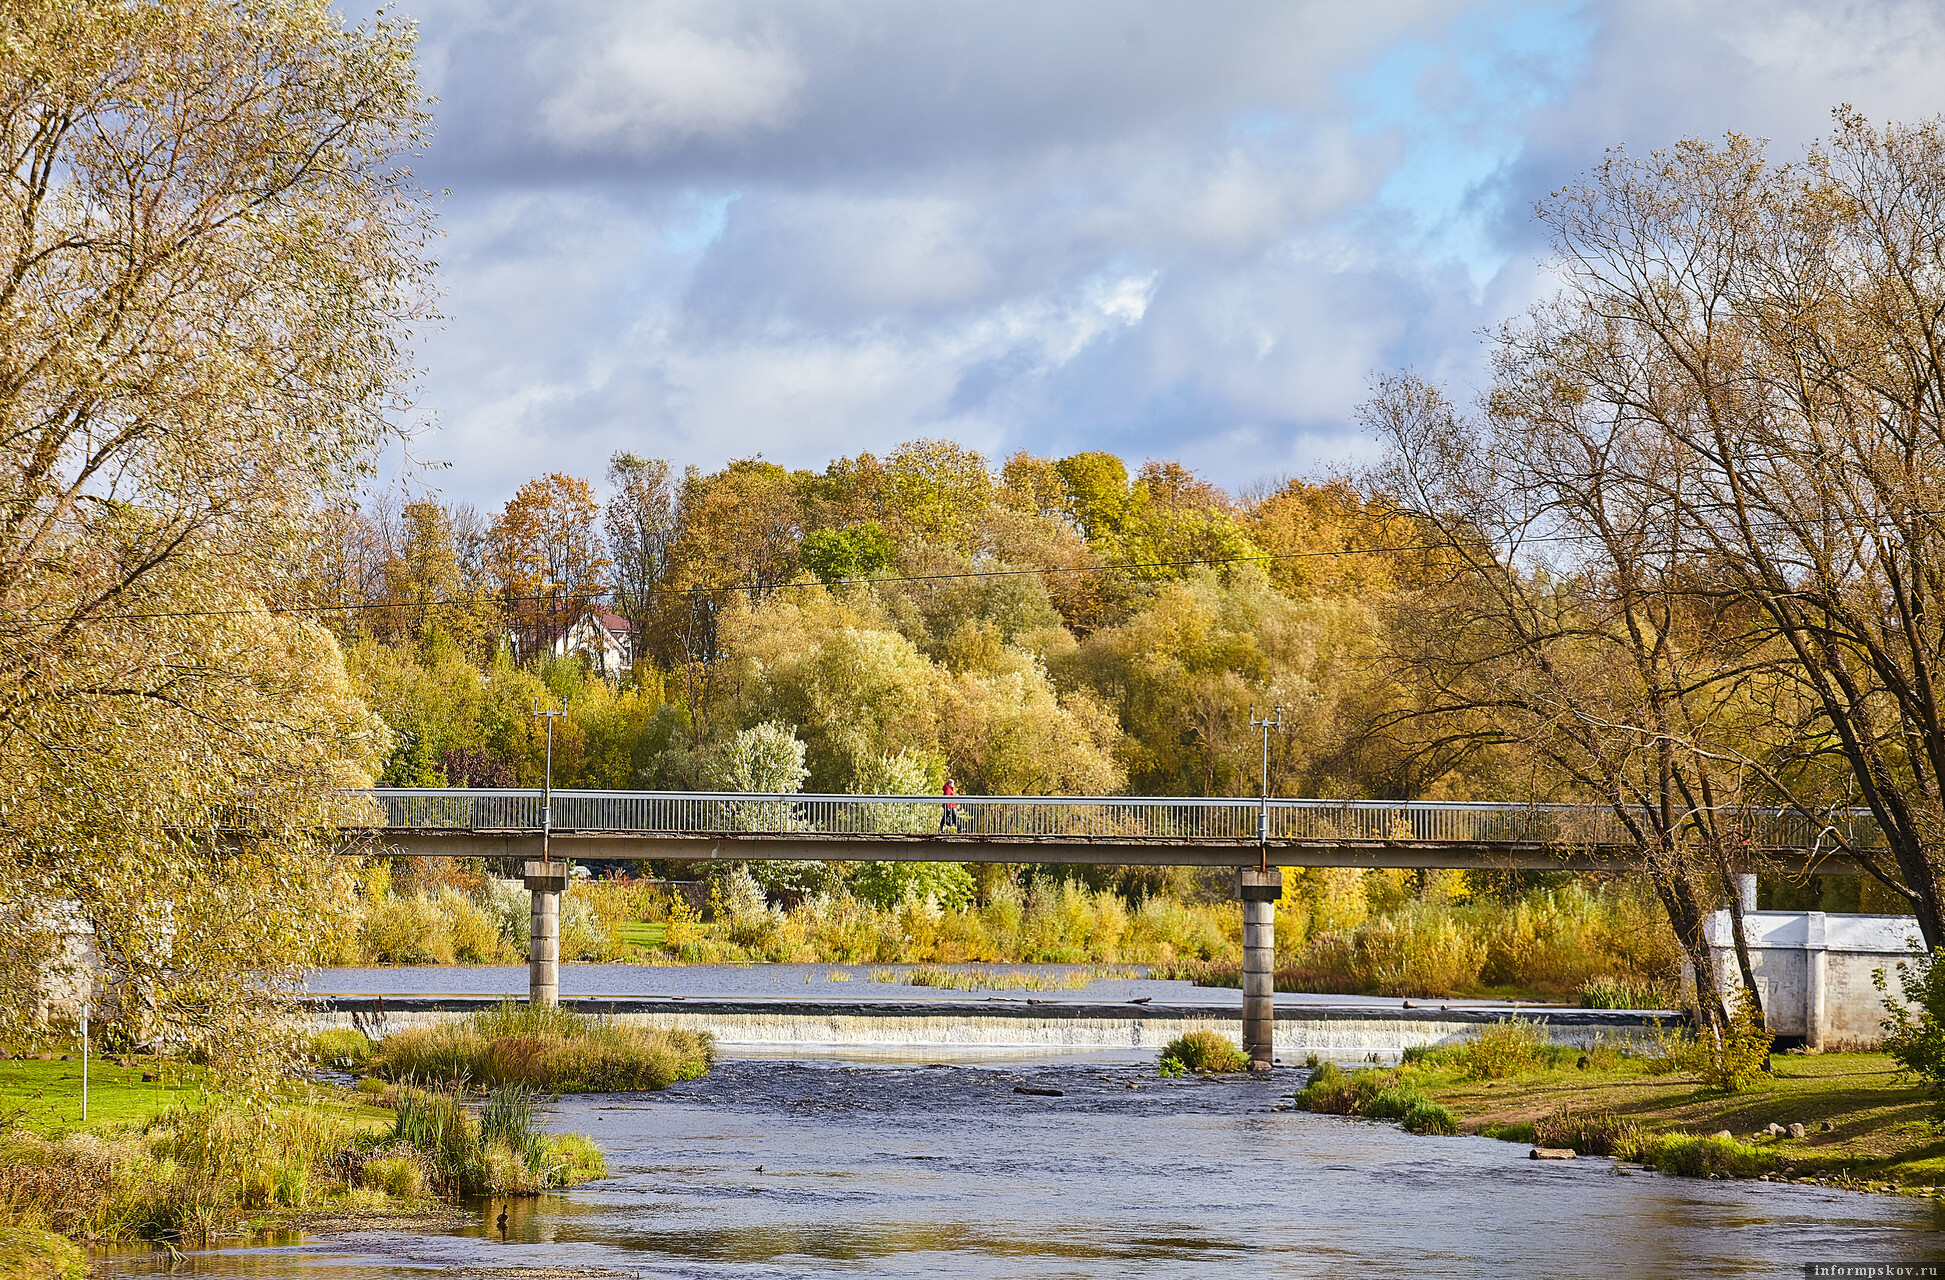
[[706, 231]]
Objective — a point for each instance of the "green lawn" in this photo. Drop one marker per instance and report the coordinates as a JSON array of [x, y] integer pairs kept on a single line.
[[1880, 1121], [639, 934], [45, 1097]]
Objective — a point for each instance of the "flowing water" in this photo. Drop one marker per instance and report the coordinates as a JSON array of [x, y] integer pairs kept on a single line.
[[775, 1169]]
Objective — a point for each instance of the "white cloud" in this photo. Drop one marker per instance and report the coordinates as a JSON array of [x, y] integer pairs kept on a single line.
[[707, 230], [644, 81]]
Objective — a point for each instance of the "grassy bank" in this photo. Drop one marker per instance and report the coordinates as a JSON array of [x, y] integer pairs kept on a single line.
[[45, 1097], [177, 1159], [1863, 1125]]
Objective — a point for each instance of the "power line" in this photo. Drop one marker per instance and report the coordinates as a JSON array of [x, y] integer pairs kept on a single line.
[[756, 588]]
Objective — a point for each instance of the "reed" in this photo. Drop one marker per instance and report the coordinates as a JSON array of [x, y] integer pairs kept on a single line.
[[1202, 1052], [555, 1049]]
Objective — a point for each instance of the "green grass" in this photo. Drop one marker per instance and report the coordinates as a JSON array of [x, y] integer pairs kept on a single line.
[[1643, 1110], [636, 933], [45, 1097], [27, 1254]]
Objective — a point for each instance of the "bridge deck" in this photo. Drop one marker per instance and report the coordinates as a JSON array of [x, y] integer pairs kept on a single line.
[[1168, 831]]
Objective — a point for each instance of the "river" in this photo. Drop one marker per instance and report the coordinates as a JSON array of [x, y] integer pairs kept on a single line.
[[827, 1168]]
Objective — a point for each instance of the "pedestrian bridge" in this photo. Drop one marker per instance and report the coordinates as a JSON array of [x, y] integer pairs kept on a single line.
[[1118, 830]]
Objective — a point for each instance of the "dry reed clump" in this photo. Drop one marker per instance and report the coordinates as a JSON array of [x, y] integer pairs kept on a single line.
[[1593, 1131], [1044, 923], [551, 1049], [1549, 942], [1202, 1052], [190, 1173]]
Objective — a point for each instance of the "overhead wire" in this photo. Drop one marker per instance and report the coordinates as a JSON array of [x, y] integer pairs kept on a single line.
[[757, 588]]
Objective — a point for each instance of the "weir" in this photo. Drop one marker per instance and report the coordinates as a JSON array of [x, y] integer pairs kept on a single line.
[[1344, 1033]]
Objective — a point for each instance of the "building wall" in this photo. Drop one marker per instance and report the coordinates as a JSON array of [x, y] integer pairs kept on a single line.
[[1814, 969]]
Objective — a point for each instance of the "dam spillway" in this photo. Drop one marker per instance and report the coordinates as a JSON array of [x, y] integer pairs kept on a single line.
[[1003, 1027]]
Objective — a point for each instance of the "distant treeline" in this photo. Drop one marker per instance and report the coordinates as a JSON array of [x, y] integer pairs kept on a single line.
[[1052, 625]]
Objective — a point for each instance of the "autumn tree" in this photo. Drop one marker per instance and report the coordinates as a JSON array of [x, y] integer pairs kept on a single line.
[[1572, 623], [1782, 326], [211, 247], [641, 524], [548, 558]]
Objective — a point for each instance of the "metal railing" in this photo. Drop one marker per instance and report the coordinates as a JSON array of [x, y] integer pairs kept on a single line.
[[1105, 818]]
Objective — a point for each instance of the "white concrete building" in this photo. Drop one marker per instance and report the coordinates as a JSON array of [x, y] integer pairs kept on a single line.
[[1813, 970]]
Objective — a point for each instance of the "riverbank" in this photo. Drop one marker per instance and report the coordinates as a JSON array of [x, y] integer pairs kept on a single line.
[[1864, 1127], [1022, 1171], [180, 1159]]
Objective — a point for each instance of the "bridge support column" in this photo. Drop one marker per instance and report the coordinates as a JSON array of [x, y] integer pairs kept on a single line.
[[1259, 891], [546, 881]]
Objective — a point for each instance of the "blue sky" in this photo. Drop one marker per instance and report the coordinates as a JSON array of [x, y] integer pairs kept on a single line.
[[705, 230]]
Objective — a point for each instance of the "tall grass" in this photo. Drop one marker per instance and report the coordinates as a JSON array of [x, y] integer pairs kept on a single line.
[[553, 1049], [1373, 933], [1377, 1095], [1202, 1051], [1559, 943], [503, 1152], [202, 1173], [191, 1173]]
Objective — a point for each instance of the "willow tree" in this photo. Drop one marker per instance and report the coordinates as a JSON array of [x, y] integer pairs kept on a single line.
[[1782, 326], [209, 251]]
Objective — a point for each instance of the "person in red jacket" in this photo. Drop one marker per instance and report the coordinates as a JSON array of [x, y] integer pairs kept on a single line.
[[950, 814]]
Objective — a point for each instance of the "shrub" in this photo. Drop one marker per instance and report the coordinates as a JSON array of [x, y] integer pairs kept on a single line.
[[1737, 1060], [1591, 1132], [345, 1048], [1914, 1029], [508, 907], [474, 935], [399, 1172], [405, 931], [1205, 1051], [887, 884], [1503, 1049]]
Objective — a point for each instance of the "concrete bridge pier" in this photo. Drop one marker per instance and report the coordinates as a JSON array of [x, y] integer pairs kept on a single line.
[[546, 881], [1259, 890]]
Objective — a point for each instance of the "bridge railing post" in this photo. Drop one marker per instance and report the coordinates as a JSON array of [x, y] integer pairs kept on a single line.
[[1259, 889]]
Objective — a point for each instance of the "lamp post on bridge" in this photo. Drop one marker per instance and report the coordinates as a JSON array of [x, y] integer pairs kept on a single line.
[[546, 880], [1259, 887]]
